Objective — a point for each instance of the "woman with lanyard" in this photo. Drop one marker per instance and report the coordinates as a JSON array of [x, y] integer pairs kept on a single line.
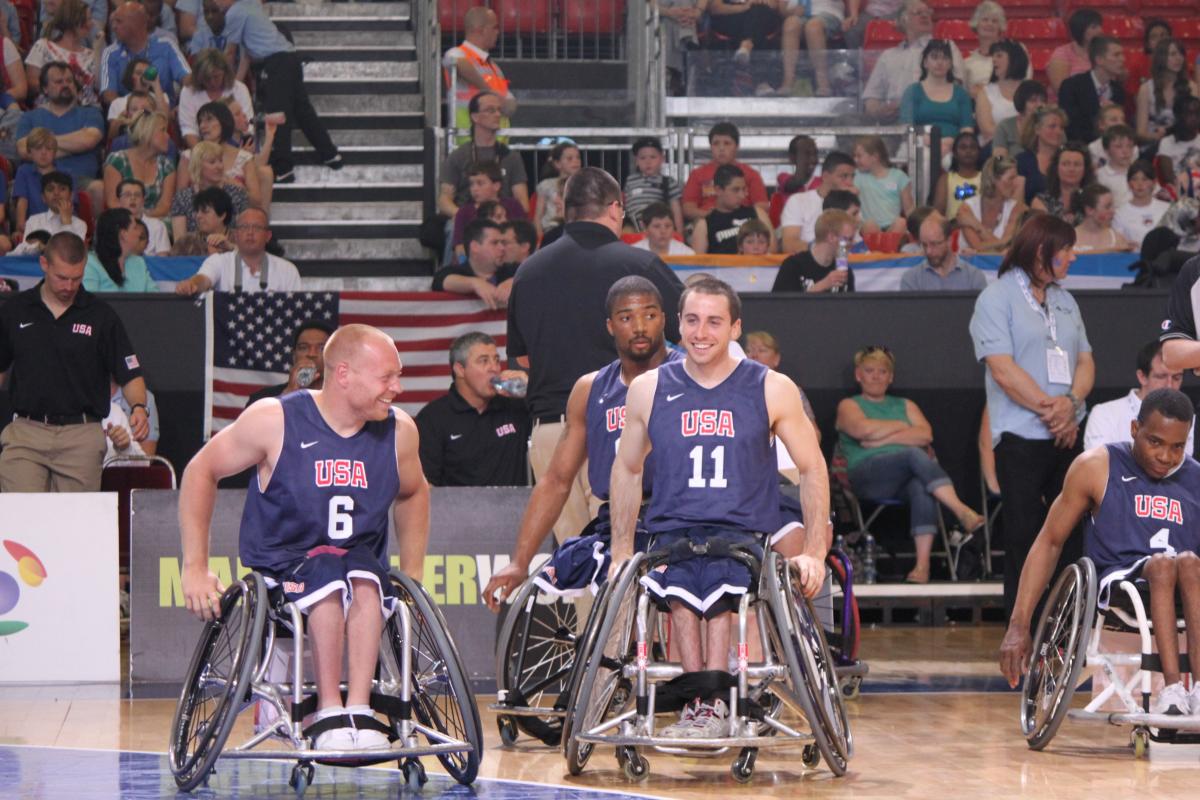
[[1029, 333]]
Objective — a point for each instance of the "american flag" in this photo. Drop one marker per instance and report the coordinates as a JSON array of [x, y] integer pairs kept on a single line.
[[252, 333]]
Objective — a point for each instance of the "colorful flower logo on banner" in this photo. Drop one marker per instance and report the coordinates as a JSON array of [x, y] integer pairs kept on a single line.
[[31, 571]]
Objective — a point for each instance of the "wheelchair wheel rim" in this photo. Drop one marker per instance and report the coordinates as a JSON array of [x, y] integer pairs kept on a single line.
[[538, 656]]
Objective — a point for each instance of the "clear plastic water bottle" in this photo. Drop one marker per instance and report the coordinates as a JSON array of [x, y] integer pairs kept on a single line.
[[514, 387], [843, 256], [870, 573], [305, 376]]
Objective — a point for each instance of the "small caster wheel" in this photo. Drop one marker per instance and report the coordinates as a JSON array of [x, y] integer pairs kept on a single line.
[[743, 768], [850, 687], [302, 776], [1141, 743], [414, 774], [810, 756], [635, 766], [508, 730]]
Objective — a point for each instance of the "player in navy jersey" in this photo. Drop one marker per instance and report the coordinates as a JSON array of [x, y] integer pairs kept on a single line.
[[1143, 507], [595, 418], [330, 465], [709, 420]]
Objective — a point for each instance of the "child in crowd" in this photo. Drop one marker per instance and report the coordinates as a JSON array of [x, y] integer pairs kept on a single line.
[[963, 180], [1110, 114], [1119, 150], [885, 192], [27, 183], [484, 181], [134, 104], [754, 238], [564, 161], [59, 216], [1142, 213], [658, 221], [717, 233], [841, 200], [1182, 145], [143, 241], [33, 244], [1095, 231], [647, 185]]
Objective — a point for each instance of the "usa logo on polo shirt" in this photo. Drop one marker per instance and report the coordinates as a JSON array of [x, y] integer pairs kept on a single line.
[[131, 362]]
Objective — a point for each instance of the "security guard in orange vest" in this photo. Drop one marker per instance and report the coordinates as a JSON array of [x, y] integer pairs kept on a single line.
[[475, 70]]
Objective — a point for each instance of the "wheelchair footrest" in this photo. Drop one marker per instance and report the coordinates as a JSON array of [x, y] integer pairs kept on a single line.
[[527, 711], [1140, 719], [622, 740], [350, 757]]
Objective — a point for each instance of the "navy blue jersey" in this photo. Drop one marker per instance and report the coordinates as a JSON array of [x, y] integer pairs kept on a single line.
[[325, 490], [605, 421], [1141, 516], [713, 451]]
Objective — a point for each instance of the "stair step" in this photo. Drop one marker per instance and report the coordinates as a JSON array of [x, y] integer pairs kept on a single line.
[[351, 137], [280, 10], [345, 212], [358, 173], [378, 249], [338, 103], [366, 156], [403, 40], [346, 229], [295, 25], [377, 88], [358, 53], [373, 120], [329, 193], [355, 71]]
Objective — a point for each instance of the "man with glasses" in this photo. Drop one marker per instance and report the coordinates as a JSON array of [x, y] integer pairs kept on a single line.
[[942, 270], [485, 109], [260, 271], [899, 67]]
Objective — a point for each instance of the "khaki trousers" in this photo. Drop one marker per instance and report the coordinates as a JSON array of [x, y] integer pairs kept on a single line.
[[581, 505], [51, 458]]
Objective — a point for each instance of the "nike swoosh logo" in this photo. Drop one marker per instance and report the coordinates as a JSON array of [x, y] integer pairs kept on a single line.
[[1127, 479], [24, 325], [455, 436], [673, 397], [306, 445]]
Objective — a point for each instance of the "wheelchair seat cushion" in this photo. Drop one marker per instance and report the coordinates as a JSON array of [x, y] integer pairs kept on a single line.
[[1113, 577], [707, 584], [325, 570], [581, 563]]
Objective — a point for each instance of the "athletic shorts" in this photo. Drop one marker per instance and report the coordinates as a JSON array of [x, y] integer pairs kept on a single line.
[[1114, 576], [580, 564], [708, 585], [327, 569]]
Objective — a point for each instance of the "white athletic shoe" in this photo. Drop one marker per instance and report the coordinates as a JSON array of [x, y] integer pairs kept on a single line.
[[368, 739], [711, 721], [681, 729], [1173, 700], [1194, 698], [338, 739]]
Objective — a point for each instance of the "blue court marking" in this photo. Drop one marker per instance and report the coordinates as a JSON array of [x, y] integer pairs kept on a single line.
[[55, 773]]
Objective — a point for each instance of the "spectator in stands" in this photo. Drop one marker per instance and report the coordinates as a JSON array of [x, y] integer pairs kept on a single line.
[[1035, 394], [279, 82], [1042, 134], [65, 40], [717, 232], [79, 129], [212, 79], [161, 19], [995, 102], [841, 200], [1081, 96], [483, 273], [59, 215], [962, 180], [145, 160], [885, 440], [1070, 173], [27, 183], [123, 110], [1156, 97], [1072, 58], [261, 271], [520, 239], [802, 153], [990, 219], [990, 26], [132, 39], [647, 184], [885, 192], [1155, 31], [114, 265], [207, 169], [1029, 97], [699, 194], [485, 181], [149, 445], [942, 270], [754, 238], [797, 222], [131, 195], [1095, 231], [1182, 145], [815, 269], [937, 99], [133, 105], [188, 17], [308, 351], [913, 226], [818, 21], [216, 126], [870, 10], [1108, 423], [1111, 114], [213, 214], [482, 146], [901, 66], [678, 19], [658, 222], [473, 435], [60, 383], [564, 161], [1120, 147], [477, 71], [751, 25], [1143, 211]]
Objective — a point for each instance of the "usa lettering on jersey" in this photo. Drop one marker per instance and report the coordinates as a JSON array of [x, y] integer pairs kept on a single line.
[[506, 429], [1157, 506], [340, 472], [81, 328], [707, 422], [614, 419]]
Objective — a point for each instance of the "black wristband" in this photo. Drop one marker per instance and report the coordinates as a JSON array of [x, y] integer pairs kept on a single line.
[[136, 406]]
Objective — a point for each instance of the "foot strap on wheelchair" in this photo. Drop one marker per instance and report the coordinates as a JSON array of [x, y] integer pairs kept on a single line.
[[678, 692], [384, 704], [356, 721]]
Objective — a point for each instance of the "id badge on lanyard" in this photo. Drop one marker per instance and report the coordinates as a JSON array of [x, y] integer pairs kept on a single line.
[[1058, 365]]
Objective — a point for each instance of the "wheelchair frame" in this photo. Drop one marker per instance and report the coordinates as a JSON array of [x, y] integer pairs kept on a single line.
[[1068, 638], [418, 674], [613, 695]]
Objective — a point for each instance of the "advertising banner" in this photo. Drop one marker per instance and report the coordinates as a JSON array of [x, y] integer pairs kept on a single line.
[[60, 617]]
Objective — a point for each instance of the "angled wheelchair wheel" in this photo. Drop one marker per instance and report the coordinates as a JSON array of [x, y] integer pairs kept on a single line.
[[442, 696], [599, 692], [1059, 650], [217, 684], [811, 675], [535, 655]]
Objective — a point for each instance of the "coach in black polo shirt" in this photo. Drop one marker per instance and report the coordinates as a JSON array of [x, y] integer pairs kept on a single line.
[[58, 346], [473, 436], [557, 325]]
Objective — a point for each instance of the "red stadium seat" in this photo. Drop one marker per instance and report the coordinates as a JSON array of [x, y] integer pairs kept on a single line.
[[1126, 29], [953, 9], [524, 16], [593, 16], [27, 13], [1105, 7], [1039, 57], [1137, 67], [1187, 30], [956, 30], [83, 207], [881, 34], [1046, 30], [451, 14], [1029, 8], [1162, 8]]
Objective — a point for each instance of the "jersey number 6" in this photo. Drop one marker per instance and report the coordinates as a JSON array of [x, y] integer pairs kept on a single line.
[[341, 523]]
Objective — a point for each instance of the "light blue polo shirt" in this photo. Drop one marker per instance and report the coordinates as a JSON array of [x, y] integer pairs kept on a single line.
[[247, 26], [1005, 324], [162, 52]]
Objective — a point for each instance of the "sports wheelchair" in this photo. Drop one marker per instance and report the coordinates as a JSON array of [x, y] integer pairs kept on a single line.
[[420, 687], [539, 635], [1068, 637], [615, 694]]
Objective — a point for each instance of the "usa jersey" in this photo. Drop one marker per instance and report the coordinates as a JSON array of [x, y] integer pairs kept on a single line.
[[1141, 516], [325, 490], [713, 451], [605, 421]]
